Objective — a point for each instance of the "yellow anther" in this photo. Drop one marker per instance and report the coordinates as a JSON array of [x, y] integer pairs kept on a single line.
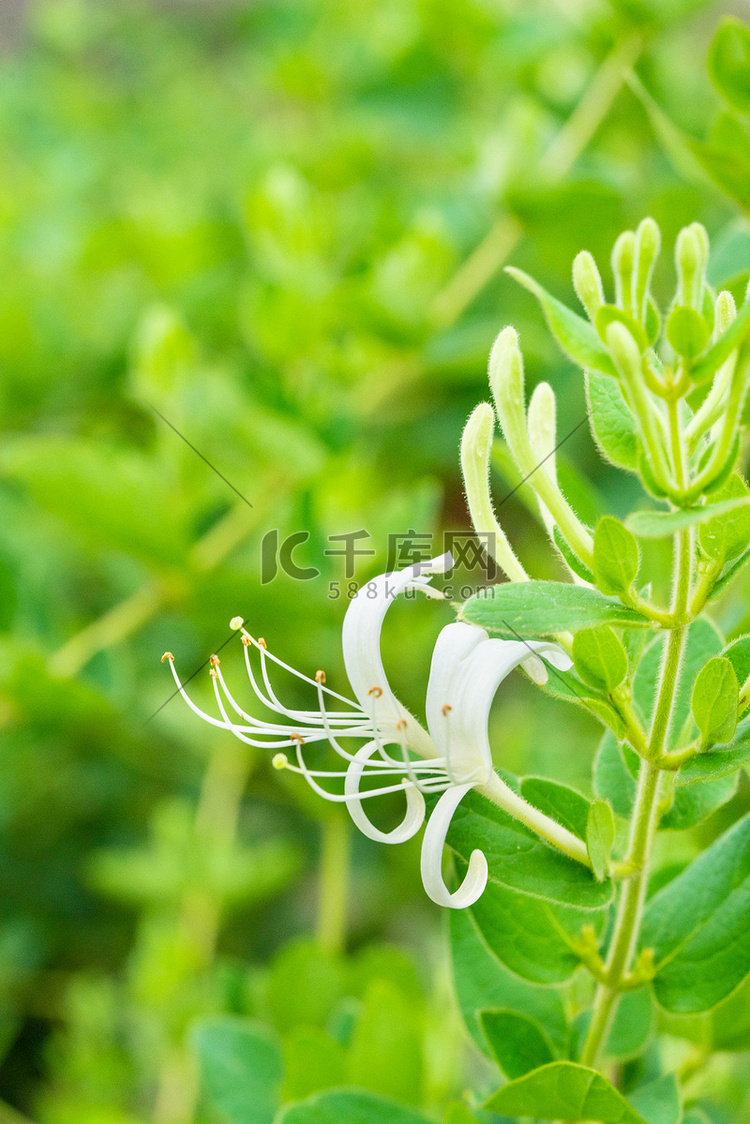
[[401, 724], [167, 656], [262, 643], [280, 761], [297, 738], [246, 641], [236, 623], [446, 709], [376, 691], [214, 661], [320, 677], [214, 673]]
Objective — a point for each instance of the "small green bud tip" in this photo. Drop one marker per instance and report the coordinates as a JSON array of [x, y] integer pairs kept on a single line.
[[280, 761], [587, 283], [701, 234], [542, 419], [691, 257], [478, 433], [726, 310], [624, 349], [236, 623], [506, 365], [648, 238], [623, 254]]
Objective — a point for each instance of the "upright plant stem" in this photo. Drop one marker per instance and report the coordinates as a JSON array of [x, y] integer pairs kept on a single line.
[[643, 824], [334, 884]]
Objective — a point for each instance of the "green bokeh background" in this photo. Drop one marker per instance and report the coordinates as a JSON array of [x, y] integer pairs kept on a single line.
[[247, 216]]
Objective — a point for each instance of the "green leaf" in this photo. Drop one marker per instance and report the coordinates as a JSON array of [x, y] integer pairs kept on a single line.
[[616, 556], [568, 686], [240, 1068], [610, 314], [729, 62], [715, 700], [518, 1043], [699, 926], [564, 1091], [576, 336], [687, 332], [338, 1105], [304, 985], [729, 574], [727, 535], [738, 654], [658, 1102], [730, 1021], [696, 802], [612, 780], [112, 498], [312, 1061], [716, 763], [566, 805], [703, 642], [600, 835], [518, 859], [542, 608], [632, 1026], [458, 1113], [660, 524], [570, 556], [612, 424], [727, 342], [600, 658], [481, 980], [531, 937], [385, 1055]]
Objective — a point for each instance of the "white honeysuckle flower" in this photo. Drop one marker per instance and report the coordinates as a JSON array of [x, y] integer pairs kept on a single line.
[[453, 754]]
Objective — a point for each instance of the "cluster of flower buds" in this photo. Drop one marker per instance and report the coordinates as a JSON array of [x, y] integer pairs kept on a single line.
[[676, 382]]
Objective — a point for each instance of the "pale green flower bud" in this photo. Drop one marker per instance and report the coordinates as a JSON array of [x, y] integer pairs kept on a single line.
[[726, 311], [623, 254], [542, 426], [624, 351], [691, 258], [507, 385], [476, 450], [542, 423], [647, 246], [587, 283]]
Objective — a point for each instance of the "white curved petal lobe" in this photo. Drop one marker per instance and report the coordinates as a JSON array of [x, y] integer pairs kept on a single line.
[[467, 669], [475, 881], [360, 640]]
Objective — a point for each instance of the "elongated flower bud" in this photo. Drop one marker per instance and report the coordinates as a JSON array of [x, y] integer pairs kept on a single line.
[[623, 254], [624, 351], [647, 246], [542, 425], [476, 450], [587, 283], [691, 257], [507, 384], [726, 311]]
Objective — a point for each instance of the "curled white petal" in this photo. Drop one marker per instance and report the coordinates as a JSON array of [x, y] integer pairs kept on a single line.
[[360, 640], [415, 805], [475, 881], [467, 669]]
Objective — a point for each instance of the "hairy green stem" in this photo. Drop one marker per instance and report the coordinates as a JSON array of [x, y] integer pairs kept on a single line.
[[643, 825]]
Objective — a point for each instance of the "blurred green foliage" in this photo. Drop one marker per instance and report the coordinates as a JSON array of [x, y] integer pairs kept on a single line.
[[255, 219]]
